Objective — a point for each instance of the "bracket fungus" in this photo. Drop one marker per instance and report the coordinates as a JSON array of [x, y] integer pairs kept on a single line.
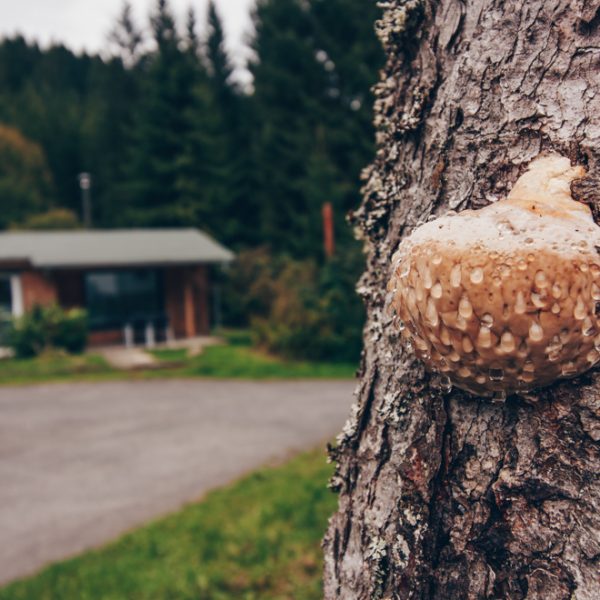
[[506, 298]]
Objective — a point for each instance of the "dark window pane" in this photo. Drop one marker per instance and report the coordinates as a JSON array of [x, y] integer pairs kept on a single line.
[[5, 307], [116, 297], [5, 295]]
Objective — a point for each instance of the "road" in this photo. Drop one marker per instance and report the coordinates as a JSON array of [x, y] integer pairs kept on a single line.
[[81, 463]]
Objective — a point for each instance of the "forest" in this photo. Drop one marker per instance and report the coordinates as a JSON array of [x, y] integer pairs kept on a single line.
[[172, 139]]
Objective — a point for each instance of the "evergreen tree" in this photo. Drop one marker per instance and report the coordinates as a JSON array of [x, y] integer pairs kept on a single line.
[[192, 44], [219, 64], [126, 36], [109, 110], [311, 100], [202, 166], [76, 108], [160, 128], [228, 201]]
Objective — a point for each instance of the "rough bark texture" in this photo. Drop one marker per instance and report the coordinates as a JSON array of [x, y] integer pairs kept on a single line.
[[450, 496]]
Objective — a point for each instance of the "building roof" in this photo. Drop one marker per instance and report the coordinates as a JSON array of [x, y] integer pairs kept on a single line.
[[110, 247]]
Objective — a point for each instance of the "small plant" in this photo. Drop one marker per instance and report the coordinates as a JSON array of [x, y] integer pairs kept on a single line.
[[47, 327]]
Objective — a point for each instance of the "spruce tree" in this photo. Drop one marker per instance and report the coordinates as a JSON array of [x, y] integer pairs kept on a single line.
[[160, 128], [126, 36], [219, 63], [313, 67], [231, 199]]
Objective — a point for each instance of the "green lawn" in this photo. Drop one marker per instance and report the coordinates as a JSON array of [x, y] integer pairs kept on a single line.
[[235, 359], [258, 538], [54, 367], [241, 361]]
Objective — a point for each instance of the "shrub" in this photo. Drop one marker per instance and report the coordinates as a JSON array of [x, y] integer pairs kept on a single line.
[[70, 333], [56, 218], [249, 286], [48, 327], [298, 309]]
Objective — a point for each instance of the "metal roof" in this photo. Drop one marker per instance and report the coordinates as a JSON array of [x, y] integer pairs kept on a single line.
[[111, 247]]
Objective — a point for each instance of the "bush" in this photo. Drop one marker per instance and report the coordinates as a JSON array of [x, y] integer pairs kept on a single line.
[[56, 218], [298, 309], [249, 286], [71, 331], [48, 327]]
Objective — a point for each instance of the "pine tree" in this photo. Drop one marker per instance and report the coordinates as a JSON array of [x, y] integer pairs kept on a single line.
[[108, 117], [202, 165], [192, 44], [231, 196], [219, 64], [160, 128], [126, 36], [312, 103]]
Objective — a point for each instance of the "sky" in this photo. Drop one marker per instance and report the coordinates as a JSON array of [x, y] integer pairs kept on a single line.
[[84, 24]]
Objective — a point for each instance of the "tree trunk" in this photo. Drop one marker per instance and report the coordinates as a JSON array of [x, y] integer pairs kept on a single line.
[[450, 496]]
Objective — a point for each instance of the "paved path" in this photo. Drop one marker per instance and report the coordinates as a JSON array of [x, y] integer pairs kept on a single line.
[[81, 463]]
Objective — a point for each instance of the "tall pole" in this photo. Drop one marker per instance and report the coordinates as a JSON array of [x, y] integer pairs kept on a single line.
[[85, 183], [328, 234]]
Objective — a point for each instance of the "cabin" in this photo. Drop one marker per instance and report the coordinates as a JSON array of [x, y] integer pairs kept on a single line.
[[137, 285]]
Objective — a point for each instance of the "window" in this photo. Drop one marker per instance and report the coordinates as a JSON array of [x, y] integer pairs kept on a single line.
[[5, 296], [7, 304], [114, 298]]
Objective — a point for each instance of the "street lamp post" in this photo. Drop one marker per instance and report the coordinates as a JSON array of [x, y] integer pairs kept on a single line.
[[85, 183]]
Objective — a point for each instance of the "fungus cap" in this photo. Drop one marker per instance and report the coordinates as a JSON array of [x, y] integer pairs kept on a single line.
[[505, 298]]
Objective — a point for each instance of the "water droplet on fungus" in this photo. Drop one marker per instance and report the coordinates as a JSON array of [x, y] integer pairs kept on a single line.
[[536, 333], [455, 276], [507, 342], [436, 291], [476, 275], [540, 279], [465, 308], [520, 306]]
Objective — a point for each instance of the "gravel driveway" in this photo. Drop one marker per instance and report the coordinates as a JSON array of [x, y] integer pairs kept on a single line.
[[81, 463]]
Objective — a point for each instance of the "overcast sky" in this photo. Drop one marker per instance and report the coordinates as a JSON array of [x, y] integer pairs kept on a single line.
[[84, 24]]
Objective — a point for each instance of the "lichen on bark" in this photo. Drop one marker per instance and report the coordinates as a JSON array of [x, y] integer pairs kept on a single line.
[[448, 496]]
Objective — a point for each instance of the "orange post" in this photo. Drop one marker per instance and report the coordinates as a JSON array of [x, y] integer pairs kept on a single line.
[[188, 305], [328, 233]]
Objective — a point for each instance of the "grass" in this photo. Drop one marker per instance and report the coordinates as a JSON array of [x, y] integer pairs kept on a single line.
[[170, 355], [243, 362], [235, 359], [258, 538], [54, 367]]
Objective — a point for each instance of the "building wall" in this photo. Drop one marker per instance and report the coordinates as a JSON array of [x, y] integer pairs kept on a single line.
[[186, 295], [201, 298], [38, 288], [106, 338], [187, 300], [173, 282]]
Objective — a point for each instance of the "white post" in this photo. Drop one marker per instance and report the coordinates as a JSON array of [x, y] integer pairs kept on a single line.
[[128, 335], [150, 337], [16, 292], [170, 336]]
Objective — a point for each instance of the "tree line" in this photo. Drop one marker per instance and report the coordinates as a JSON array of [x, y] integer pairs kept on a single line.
[[172, 139]]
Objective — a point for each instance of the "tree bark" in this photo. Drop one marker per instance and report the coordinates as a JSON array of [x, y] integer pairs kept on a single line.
[[450, 496]]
